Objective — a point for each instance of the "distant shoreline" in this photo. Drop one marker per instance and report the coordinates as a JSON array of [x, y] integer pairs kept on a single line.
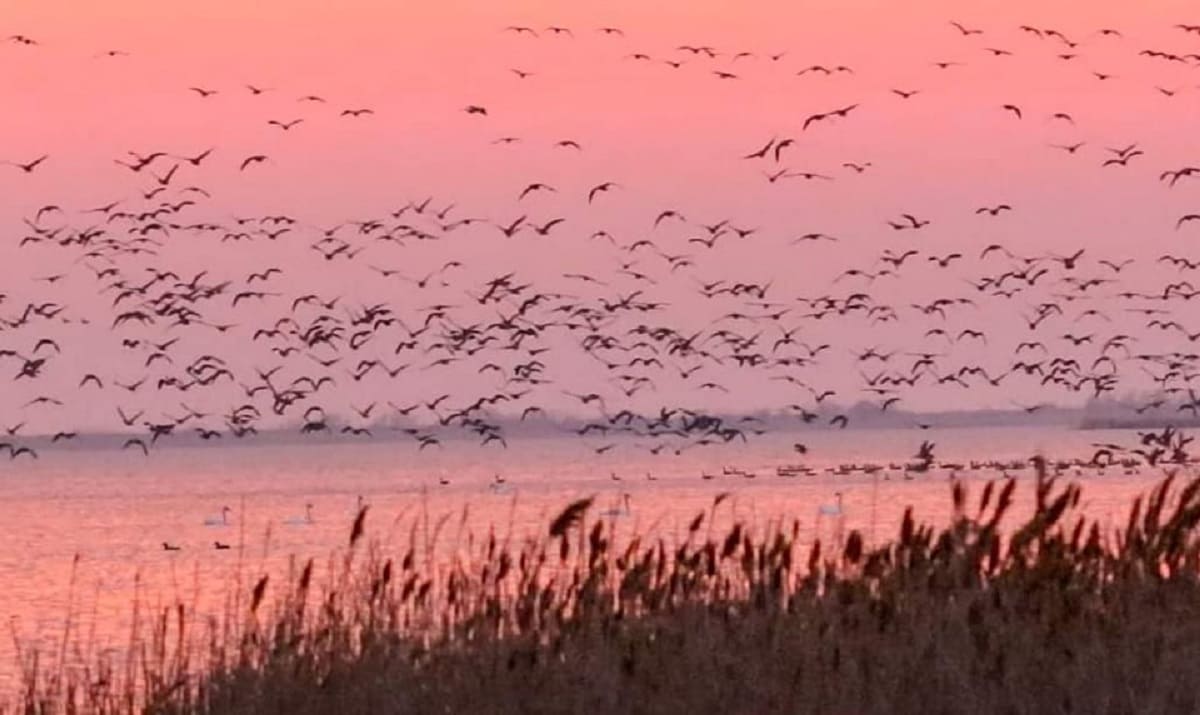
[[566, 427]]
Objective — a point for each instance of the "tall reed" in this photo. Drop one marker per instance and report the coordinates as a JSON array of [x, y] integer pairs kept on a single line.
[[1049, 615]]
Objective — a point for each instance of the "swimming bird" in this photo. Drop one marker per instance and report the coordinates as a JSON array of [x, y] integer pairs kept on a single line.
[[834, 509], [219, 520], [301, 520]]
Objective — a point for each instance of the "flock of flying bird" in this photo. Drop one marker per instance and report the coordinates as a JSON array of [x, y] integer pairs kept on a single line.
[[440, 350]]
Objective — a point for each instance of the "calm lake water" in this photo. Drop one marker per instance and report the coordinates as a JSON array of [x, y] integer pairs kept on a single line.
[[103, 515]]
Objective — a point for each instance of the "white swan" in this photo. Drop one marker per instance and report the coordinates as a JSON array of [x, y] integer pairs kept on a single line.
[[301, 520], [838, 519], [222, 520], [832, 509], [622, 509]]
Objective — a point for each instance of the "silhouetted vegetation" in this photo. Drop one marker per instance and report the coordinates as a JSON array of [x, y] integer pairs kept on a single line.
[[1050, 615]]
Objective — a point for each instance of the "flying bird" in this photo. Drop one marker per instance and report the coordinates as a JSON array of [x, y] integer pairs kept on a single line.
[[29, 167], [253, 159], [599, 189]]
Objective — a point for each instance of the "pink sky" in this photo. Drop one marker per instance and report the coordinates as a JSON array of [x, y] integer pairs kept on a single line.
[[671, 137]]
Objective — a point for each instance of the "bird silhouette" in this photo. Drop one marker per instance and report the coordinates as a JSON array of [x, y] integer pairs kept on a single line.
[[29, 167]]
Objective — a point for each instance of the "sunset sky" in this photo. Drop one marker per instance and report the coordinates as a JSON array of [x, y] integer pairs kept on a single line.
[[668, 137]]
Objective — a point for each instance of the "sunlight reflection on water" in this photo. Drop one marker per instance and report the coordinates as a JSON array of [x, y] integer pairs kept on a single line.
[[115, 512]]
